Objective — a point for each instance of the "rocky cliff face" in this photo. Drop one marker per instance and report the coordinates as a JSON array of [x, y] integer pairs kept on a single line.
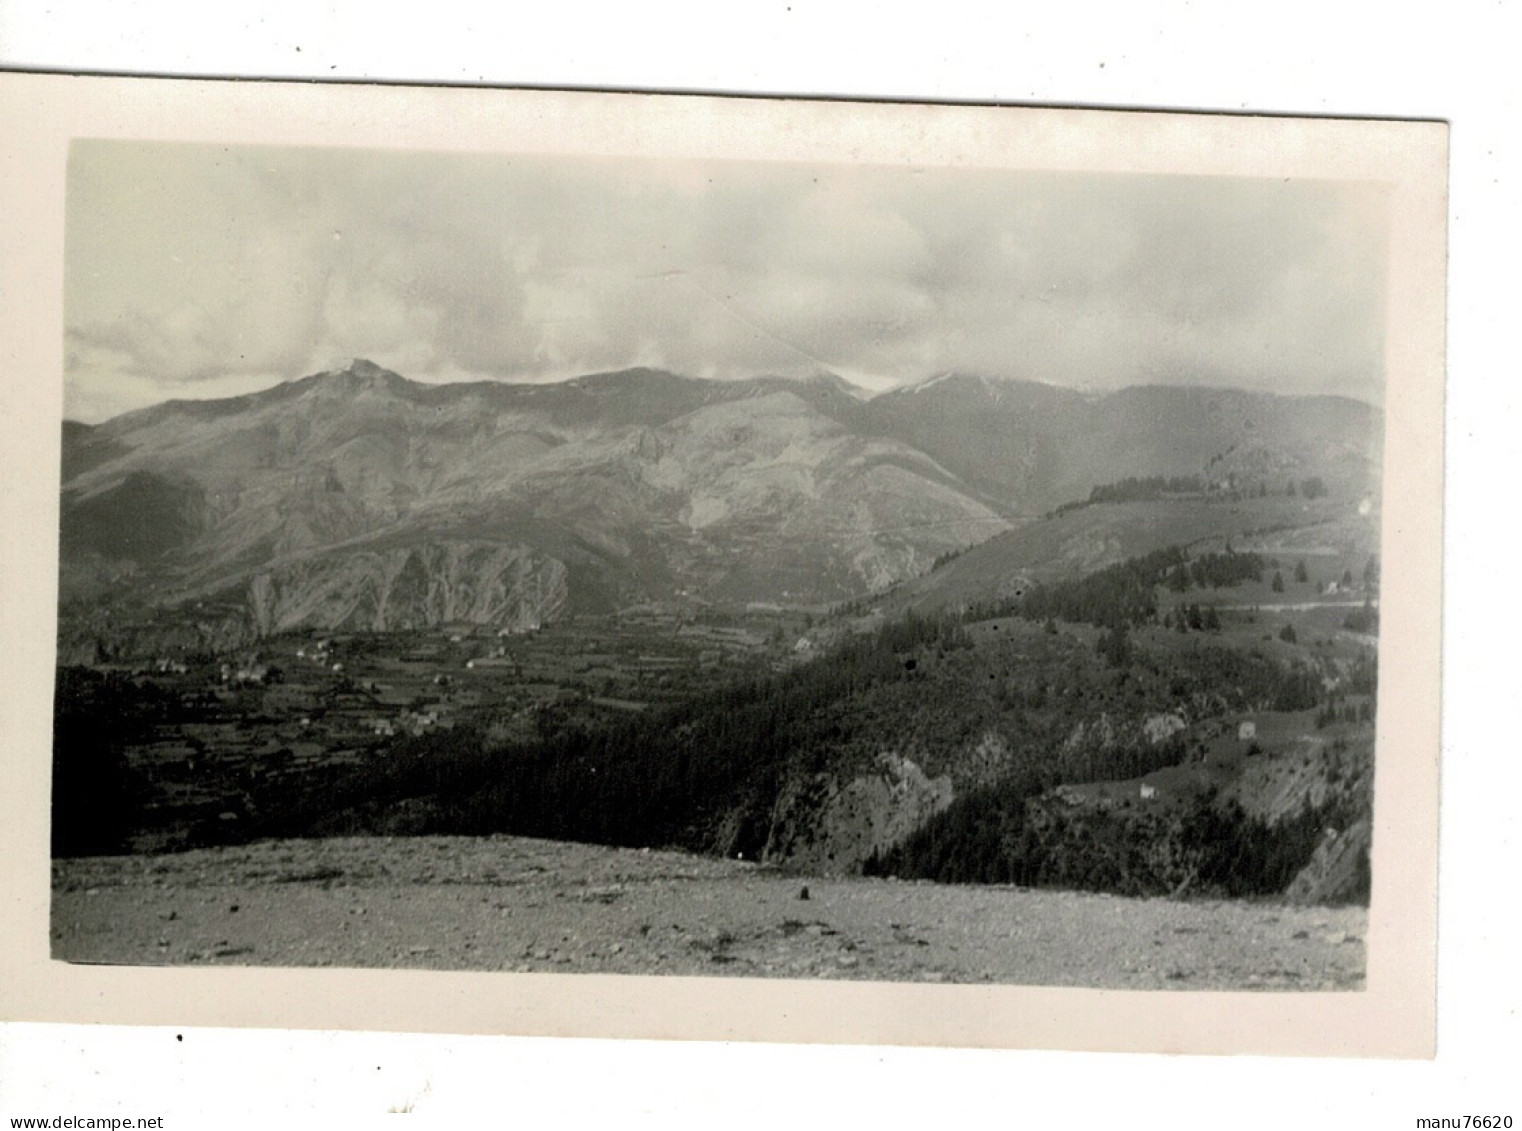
[[508, 587], [1338, 871], [1312, 773], [828, 826]]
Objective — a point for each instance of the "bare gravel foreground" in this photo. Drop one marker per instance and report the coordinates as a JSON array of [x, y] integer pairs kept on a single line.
[[507, 903]]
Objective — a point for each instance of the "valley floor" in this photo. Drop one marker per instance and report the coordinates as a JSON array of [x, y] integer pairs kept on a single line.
[[508, 903]]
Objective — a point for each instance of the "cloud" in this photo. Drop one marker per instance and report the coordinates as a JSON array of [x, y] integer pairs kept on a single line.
[[194, 268]]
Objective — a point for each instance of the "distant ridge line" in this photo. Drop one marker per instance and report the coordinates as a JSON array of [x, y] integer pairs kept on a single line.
[[363, 369]]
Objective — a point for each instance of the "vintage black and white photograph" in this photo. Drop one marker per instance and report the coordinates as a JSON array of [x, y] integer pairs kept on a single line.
[[500, 563], [698, 565]]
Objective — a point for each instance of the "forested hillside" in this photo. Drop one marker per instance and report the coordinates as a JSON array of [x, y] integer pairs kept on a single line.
[[1001, 707], [923, 745]]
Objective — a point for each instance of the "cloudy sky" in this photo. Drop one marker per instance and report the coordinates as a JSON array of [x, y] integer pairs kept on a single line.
[[197, 271]]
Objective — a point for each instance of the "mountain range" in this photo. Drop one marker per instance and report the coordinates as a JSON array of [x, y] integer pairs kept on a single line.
[[358, 499]]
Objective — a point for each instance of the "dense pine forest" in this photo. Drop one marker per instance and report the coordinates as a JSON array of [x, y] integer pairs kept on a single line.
[[1002, 835]]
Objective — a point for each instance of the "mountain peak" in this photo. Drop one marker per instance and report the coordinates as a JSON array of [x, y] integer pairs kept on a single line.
[[359, 373], [364, 367]]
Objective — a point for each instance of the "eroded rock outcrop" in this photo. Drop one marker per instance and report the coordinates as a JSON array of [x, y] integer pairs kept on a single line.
[[825, 825], [1338, 871], [505, 586]]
